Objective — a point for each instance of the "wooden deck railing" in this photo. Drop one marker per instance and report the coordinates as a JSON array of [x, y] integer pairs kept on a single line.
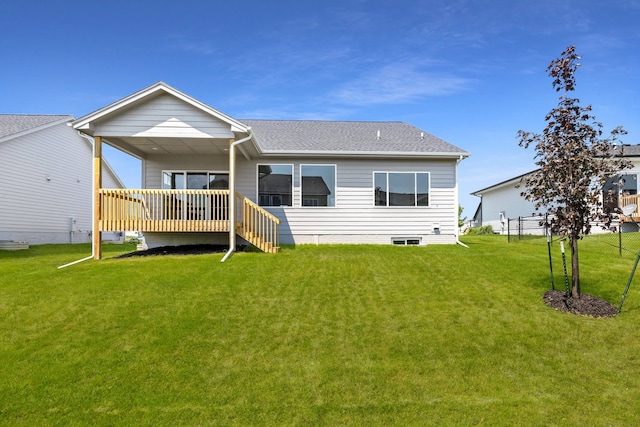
[[164, 210], [256, 225], [149, 210]]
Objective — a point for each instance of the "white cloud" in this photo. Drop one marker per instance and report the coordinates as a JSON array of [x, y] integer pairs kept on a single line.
[[398, 83], [184, 44]]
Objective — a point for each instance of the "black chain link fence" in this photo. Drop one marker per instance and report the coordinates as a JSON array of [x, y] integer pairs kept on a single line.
[[621, 239]]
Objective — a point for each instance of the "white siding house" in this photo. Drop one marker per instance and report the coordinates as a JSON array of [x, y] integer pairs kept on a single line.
[[500, 202], [503, 201], [46, 180], [320, 181]]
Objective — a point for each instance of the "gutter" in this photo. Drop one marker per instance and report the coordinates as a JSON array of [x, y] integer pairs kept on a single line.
[[369, 154], [232, 193]]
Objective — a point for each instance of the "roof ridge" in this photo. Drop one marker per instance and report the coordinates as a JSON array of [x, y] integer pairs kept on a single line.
[[325, 121]]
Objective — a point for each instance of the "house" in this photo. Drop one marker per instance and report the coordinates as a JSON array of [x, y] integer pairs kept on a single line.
[[502, 201], [208, 177], [46, 180]]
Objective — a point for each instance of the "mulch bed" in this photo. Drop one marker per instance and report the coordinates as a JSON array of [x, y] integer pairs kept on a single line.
[[587, 305], [181, 250]]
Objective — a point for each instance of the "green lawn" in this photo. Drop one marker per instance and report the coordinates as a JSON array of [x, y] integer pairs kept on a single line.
[[328, 335]]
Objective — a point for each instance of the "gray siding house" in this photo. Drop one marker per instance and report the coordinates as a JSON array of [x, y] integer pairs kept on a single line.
[[211, 178], [46, 180]]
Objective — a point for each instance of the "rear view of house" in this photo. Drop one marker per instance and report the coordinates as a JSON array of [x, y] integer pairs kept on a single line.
[[208, 177], [46, 180]]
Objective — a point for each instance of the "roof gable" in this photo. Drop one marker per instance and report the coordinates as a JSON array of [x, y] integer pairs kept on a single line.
[[146, 95]]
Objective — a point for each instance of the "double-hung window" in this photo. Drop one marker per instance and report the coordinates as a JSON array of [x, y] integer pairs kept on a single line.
[[401, 188]]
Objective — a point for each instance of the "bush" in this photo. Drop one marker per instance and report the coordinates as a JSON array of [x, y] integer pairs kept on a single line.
[[487, 229]]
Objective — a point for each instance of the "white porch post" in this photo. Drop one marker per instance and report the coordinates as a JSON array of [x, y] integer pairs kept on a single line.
[[96, 234]]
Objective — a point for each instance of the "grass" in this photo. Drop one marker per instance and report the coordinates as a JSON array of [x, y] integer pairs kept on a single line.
[[328, 335]]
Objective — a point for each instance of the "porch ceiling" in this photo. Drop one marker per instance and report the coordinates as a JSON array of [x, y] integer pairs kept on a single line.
[[145, 146]]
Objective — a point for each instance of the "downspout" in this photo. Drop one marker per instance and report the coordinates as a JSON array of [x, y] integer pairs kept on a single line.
[[93, 250], [93, 195], [232, 193], [457, 207]]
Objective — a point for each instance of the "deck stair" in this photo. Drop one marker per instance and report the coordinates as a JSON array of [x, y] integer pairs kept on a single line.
[[158, 211]]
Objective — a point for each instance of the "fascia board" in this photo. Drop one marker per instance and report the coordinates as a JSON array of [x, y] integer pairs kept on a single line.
[[507, 183], [367, 154]]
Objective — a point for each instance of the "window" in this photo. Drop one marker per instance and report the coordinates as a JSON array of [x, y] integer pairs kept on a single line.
[[190, 206], [318, 185], [401, 188], [184, 180], [406, 241], [275, 185]]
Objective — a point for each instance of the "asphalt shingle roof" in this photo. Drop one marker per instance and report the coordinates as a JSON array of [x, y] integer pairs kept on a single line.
[[299, 136], [11, 124]]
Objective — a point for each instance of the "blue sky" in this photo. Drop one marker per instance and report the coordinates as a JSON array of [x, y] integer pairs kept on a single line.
[[470, 72]]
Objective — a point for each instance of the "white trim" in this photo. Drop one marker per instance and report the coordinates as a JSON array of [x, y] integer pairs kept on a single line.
[[361, 154]]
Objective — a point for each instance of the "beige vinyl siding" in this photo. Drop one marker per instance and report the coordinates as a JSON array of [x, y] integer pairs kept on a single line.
[[165, 116], [38, 210]]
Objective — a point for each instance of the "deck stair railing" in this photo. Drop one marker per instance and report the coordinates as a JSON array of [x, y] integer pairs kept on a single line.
[[149, 210], [256, 225]]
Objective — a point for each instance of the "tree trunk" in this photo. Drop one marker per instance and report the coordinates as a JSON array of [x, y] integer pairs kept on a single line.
[[575, 268]]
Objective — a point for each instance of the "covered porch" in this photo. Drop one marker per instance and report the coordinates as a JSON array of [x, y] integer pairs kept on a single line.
[[168, 131]]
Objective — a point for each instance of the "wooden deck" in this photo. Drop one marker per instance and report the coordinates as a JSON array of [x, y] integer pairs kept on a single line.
[[159, 211]]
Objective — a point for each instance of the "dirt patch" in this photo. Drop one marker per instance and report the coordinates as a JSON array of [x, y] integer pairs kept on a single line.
[[181, 250], [587, 305]]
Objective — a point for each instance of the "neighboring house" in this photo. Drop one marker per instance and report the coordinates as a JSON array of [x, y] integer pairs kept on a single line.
[[46, 180], [292, 182], [503, 201]]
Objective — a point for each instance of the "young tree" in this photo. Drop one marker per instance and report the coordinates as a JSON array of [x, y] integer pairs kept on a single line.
[[461, 220], [574, 162]]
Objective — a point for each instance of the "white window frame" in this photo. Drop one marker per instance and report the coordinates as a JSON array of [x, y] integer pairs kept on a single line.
[[415, 188], [335, 185], [291, 165]]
